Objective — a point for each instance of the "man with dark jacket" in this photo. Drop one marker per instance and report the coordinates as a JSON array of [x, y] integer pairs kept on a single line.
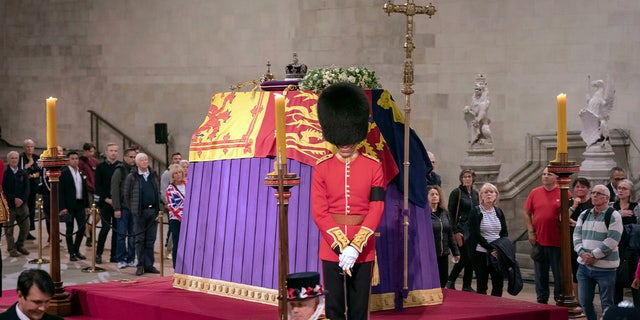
[[104, 172], [74, 201], [126, 253], [142, 199], [16, 187]]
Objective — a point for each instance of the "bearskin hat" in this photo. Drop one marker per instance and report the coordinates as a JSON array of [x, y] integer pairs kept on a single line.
[[343, 112]]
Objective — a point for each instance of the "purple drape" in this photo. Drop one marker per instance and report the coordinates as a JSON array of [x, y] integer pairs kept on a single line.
[[229, 229]]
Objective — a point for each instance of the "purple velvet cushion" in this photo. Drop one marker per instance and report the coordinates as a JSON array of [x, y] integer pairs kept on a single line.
[[277, 85]]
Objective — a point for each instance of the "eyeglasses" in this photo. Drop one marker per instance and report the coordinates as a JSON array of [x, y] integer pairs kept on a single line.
[[597, 193]]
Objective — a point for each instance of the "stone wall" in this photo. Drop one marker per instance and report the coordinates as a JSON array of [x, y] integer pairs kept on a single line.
[[140, 62]]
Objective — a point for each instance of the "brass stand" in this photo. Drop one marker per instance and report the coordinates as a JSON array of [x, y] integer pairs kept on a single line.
[[93, 268], [282, 182], [161, 230], [60, 303], [39, 260], [564, 168]]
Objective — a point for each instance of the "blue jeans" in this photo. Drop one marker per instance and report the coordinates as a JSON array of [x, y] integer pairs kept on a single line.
[[125, 250], [174, 228], [587, 280], [551, 260]]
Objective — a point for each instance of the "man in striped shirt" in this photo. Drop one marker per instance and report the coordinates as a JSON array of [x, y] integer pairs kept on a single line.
[[596, 243]]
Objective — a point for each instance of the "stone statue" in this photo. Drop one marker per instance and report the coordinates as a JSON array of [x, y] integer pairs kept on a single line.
[[477, 115], [595, 116]]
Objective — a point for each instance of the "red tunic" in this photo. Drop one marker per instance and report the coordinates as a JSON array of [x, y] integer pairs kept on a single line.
[[344, 188]]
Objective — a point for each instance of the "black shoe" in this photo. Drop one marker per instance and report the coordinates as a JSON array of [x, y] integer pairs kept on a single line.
[[113, 260], [468, 289], [451, 285], [23, 251], [30, 237], [81, 256], [88, 243], [73, 258], [98, 259], [151, 269], [139, 271]]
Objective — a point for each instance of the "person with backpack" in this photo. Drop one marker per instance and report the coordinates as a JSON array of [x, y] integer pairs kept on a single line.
[[595, 239], [629, 210]]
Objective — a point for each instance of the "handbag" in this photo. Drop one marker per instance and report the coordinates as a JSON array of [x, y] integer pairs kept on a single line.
[[4, 208]]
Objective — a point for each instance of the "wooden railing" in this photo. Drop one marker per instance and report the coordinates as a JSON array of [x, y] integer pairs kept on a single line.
[[98, 123]]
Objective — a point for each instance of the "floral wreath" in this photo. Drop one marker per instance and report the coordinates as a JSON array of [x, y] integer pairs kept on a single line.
[[318, 79]]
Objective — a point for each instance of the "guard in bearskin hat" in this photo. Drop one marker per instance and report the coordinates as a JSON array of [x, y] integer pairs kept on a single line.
[[347, 194], [305, 296]]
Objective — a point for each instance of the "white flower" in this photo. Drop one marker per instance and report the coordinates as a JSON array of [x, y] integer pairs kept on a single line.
[[318, 79]]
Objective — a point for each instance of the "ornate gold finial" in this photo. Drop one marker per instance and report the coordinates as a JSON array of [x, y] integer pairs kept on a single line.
[[267, 76]]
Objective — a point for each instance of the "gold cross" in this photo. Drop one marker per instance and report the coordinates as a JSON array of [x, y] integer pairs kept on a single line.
[[409, 9]]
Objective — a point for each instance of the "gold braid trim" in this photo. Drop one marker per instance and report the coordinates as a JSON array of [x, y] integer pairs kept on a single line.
[[360, 239], [416, 298], [226, 289], [339, 238]]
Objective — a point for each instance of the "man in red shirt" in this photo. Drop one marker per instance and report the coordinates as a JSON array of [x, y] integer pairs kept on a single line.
[[347, 197], [541, 218]]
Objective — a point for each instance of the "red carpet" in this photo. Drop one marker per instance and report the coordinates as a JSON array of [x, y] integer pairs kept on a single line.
[[155, 298]]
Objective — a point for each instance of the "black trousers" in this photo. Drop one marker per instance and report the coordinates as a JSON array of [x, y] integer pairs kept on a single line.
[[483, 269], [79, 216], [146, 229], [464, 263], [106, 216], [358, 289], [443, 269]]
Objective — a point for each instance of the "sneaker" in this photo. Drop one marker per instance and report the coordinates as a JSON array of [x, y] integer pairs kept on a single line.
[[122, 265], [131, 264]]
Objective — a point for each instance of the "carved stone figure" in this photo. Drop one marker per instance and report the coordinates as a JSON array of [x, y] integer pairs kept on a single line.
[[595, 116], [477, 115]]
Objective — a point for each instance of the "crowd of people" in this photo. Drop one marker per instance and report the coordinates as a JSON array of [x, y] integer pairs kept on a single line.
[[128, 194]]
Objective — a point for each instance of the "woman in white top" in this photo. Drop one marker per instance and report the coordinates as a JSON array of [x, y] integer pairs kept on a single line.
[[486, 224]]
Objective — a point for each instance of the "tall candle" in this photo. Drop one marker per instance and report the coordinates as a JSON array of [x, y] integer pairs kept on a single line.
[[52, 139], [281, 140], [562, 124]]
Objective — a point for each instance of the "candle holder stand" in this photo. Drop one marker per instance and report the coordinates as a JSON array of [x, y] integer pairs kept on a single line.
[[282, 182], [60, 303], [564, 168]]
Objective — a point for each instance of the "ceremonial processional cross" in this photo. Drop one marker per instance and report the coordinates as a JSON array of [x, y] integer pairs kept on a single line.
[[409, 9]]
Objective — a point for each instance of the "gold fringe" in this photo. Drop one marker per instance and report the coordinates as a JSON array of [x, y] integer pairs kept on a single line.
[[416, 298], [226, 289], [375, 278]]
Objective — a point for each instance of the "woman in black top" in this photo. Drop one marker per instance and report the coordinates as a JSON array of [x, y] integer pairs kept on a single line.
[[461, 202], [442, 232], [629, 211]]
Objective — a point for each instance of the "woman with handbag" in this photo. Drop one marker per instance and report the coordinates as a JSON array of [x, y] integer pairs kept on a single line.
[[461, 202], [628, 209]]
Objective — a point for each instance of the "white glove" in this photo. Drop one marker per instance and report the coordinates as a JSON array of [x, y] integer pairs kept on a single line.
[[348, 258]]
